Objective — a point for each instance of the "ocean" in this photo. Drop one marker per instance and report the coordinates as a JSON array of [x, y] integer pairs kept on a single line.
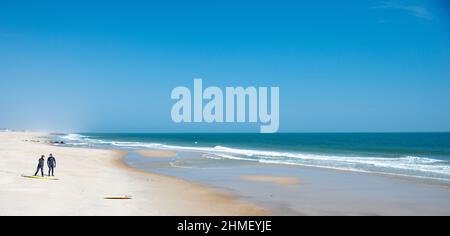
[[418, 155]]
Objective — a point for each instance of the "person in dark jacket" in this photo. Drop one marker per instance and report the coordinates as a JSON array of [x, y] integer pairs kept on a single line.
[[40, 166], [51, 163]]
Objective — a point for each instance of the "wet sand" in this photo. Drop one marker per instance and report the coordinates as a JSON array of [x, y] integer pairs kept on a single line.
[[272, 179], [157, 153], [298, 190]]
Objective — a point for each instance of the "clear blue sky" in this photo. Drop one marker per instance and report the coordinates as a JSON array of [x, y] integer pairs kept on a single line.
[[111, 65]]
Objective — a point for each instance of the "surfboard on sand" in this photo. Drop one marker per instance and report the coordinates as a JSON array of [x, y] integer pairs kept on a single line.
[[118, 198], [39, 177]]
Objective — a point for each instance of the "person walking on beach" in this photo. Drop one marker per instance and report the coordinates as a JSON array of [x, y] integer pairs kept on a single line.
[[51, 163], [40, 166]]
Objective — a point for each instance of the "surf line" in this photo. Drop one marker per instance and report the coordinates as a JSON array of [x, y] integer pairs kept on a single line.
[[235, 106]]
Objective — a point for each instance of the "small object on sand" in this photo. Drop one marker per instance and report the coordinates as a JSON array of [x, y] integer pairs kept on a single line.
[[119, 198], [39, 177]]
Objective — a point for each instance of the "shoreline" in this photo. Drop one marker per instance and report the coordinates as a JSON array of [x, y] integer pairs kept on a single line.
[[410, 162], [294, 190], [249, 209], [87, 176]]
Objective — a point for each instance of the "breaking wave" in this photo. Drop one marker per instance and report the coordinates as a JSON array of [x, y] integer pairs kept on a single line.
[[413, 166]]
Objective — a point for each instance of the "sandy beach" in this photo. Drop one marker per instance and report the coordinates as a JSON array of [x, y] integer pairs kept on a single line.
[[87, 176], [173, 183]]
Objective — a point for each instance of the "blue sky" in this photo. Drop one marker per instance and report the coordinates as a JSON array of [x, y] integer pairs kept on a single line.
[[109, 66]]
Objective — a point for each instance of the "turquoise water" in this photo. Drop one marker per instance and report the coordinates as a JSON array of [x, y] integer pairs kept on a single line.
[[423, 155]]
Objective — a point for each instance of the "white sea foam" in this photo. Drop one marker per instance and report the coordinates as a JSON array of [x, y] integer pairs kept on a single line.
[[73, 137], [407, 165]]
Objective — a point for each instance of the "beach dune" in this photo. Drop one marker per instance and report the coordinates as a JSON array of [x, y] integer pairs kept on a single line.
[[87, 176]]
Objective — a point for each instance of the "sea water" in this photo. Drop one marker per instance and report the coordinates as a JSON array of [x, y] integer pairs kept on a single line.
[[419, 155]]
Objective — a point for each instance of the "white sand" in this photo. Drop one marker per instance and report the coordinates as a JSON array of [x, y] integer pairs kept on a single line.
[[88, 175]]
